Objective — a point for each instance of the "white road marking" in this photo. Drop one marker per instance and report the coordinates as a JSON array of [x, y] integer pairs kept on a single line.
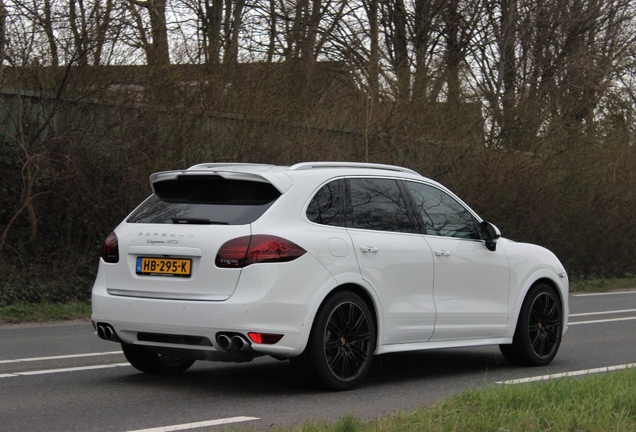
[[198, 425], [603, 313], [600, 294], [61, 357], [568, 374], [601, 321], [73, 369]]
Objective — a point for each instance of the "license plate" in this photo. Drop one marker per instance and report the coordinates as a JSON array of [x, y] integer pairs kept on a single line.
[[164, 267]]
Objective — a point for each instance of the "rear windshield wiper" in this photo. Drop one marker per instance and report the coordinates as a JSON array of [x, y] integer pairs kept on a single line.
[[197, 221]]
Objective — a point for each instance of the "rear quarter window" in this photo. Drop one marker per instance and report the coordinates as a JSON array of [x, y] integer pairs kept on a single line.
[[328, 207]]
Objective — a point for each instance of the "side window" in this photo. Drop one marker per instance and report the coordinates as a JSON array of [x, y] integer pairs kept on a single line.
[[378, 204], [442, 215], [327, 206]]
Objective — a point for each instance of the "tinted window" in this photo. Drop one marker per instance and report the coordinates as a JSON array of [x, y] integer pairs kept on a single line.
[[327, 206], [442, 214], [215, 190], [379, 205], [206, 200]]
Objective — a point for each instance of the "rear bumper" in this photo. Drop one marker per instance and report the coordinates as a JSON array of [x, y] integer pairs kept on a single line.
[[266, 300], [130, 316]]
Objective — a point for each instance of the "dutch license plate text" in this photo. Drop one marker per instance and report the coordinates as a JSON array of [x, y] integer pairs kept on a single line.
[[164, 267]]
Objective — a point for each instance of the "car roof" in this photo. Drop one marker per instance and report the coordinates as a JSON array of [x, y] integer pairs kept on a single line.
[[282, 177]]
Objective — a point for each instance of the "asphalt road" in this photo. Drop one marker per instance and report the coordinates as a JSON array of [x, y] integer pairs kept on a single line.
[[61, 377]]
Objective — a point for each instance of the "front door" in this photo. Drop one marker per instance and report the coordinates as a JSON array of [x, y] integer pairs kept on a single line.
[[471, 283]]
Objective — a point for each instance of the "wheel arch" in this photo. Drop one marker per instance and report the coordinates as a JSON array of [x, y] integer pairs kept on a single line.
[[368, 296], [541, 278], [550, 283]]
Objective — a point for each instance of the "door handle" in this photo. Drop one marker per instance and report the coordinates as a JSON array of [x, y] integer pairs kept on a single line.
[[366, 249], [439, 252]]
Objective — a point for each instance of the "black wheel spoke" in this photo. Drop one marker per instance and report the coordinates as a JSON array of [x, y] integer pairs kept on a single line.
[[540, 343], [534, 315], [331, 345], [333, 328], [351, 318], [363, 337], [343, 316], [552, 338], [335, 359], [354, 365], [345, 366], [359, 352], [358, 324]]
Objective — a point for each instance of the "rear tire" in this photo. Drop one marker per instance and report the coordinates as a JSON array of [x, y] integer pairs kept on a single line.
[[340, 349], [152, 363], [539, 328]]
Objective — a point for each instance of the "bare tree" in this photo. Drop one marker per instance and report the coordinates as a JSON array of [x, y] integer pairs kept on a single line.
[[89, 25], [397, 45], [157, 52], [554, 63], [3, 34]]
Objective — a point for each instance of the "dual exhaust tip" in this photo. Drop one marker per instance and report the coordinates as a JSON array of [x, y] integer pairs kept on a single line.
[[107, 332], [233, 342]]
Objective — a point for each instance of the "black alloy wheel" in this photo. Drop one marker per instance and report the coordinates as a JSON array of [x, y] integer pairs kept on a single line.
[[347, 338], [545, 325], [341, 344], [539, 329]]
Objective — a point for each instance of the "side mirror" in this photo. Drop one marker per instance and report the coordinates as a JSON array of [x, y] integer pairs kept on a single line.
[[490, 234]]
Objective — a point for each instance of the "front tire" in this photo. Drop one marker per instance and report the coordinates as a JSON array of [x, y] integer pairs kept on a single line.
[[539, 328], [152, 363], [340, 349]]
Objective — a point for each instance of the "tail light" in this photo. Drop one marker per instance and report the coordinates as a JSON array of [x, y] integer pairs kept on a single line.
[[243, 251], [110, 250]]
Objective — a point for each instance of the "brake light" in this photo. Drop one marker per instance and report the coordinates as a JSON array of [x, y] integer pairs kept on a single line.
[[243, 251], [110, 249]]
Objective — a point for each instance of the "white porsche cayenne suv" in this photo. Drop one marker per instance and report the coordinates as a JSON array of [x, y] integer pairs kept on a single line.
[[323, 263]]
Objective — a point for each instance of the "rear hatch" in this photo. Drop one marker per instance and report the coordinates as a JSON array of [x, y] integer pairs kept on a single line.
[[168, 245]]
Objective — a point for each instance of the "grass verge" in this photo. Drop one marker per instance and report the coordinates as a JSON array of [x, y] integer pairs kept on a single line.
[[41, 312], [595, 403], [602, 285]]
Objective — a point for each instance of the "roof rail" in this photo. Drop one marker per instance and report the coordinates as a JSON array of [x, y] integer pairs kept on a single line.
[[224, 164], [311, 165]]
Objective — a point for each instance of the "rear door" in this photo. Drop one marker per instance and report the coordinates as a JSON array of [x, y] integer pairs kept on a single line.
[[168, 245], [393, 258]]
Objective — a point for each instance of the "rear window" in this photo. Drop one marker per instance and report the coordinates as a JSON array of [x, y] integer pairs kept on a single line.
[[379, 205], [206, 200]]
